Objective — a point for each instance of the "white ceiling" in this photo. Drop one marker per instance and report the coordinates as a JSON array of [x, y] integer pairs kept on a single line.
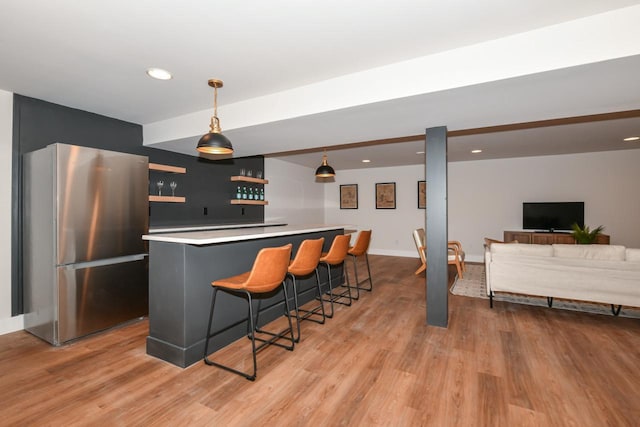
[[93, 56], [564, 139]]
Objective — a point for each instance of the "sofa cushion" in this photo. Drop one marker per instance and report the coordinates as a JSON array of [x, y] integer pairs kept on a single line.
[[600, 252], [521, 249], [609, 282], [633, 255]]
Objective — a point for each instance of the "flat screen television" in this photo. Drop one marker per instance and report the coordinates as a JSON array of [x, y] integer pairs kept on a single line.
[[552, 216]]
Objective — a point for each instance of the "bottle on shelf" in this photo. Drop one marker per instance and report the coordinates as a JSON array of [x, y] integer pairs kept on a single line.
[[250, 193], [262, 194], [244, 193], [238, 193]]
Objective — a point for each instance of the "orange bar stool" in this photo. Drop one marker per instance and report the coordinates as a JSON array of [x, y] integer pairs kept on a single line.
[[304, 264], [334, 258], [360, 248], [267, 274]]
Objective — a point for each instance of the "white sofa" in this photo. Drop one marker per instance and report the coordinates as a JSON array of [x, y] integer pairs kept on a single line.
[[596, 273]]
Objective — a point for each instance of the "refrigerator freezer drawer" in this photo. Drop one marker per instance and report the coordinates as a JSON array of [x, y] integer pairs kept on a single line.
[[95, 298]]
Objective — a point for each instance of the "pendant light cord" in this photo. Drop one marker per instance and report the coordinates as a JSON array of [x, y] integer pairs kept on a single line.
[[215, 101], [215, 121]]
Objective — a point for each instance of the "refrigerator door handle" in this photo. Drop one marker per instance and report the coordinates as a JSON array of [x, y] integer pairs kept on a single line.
[[101, 262]]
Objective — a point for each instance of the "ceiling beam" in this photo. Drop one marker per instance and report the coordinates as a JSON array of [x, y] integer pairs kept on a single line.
[[474, 131]]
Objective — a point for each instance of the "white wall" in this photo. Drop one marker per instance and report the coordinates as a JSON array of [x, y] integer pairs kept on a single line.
[[485, 197], [391, 228], [7, 323], [293, 195]]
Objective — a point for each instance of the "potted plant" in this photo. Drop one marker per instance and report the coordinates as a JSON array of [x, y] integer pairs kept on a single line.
[[585, 236]]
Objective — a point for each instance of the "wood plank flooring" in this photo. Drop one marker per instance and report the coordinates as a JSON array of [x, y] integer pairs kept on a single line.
[[375, 363]]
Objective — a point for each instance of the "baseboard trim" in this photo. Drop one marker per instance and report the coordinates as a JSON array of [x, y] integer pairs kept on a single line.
[[11, 324]]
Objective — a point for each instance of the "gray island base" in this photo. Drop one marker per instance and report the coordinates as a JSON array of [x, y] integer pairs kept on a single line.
[[181, 269]]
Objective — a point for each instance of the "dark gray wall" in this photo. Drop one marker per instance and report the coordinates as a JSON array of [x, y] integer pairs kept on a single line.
[[206, 184]]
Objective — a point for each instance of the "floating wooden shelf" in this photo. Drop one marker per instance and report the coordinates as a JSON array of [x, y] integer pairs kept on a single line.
[[167, 168], [249, 179], [248, 202], [170, 199]]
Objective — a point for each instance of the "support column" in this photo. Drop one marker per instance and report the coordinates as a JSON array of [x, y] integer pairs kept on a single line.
[[436, 227]]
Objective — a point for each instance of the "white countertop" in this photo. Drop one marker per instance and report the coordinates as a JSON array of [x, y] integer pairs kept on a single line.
[[207, 237], [173, 229]]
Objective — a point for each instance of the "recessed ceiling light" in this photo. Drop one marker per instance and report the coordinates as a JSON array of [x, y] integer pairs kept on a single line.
[[632, 138], [419, 152], [159, 73], [476, 151], [366, 161]]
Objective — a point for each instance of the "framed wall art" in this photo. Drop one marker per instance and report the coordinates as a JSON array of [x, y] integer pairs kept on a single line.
[[386, 195], [349, 196], [422, 194]]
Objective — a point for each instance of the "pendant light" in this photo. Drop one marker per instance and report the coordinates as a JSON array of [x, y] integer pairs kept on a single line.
[[325, 171], [215, 142]]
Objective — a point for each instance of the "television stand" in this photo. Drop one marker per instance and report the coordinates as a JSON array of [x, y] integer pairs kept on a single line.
[[548, 238]]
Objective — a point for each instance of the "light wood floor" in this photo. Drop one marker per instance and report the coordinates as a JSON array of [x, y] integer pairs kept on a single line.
[[375, 363]]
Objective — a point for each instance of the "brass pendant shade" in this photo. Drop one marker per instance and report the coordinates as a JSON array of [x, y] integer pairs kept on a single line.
[[215, 142], [325, 171]]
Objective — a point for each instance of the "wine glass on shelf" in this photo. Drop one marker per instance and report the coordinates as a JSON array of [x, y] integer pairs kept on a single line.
[[173, 186], [160, 184]]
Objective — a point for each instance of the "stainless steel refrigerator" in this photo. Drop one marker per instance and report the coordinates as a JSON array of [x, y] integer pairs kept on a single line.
[[84, 260]]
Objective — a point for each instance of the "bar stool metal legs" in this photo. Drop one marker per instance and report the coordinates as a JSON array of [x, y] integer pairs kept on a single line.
[[337, 298], [251, 376], [360, 248], [268, 273], [251, 333], [318, 310], [335, 257], [303, 265], [360, 282]]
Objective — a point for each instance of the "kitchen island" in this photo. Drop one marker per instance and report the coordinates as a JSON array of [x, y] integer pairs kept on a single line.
[[182, 266]]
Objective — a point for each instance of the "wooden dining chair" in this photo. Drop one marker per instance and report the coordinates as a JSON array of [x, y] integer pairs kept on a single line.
[[455, 254], [418, 239]]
